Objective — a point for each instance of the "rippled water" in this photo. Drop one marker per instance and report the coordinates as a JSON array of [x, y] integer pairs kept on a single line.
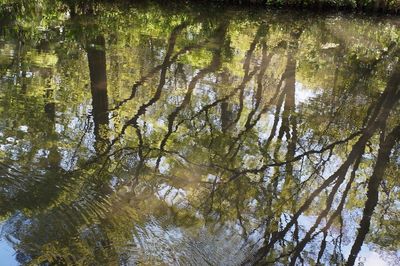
[[195, 135]]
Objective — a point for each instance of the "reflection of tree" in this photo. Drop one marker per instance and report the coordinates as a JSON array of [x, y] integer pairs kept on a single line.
[[377, 119], [98, 86], [205, 128], [215, 63], [385, 148]]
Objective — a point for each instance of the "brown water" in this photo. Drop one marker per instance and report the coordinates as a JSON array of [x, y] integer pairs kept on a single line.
[[188, 135]]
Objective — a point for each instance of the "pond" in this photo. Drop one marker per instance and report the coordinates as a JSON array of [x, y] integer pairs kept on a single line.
[[145, 134]]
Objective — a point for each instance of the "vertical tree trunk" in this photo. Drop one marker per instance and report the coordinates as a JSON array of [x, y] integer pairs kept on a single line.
[[98, 86]]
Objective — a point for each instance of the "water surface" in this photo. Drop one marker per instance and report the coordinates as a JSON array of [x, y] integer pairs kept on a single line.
[[155, 135]]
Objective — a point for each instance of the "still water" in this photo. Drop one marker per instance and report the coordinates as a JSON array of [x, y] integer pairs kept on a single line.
[[154, 135]]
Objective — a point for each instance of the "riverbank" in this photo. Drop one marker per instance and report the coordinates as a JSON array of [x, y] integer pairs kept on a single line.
[[368, 6]]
